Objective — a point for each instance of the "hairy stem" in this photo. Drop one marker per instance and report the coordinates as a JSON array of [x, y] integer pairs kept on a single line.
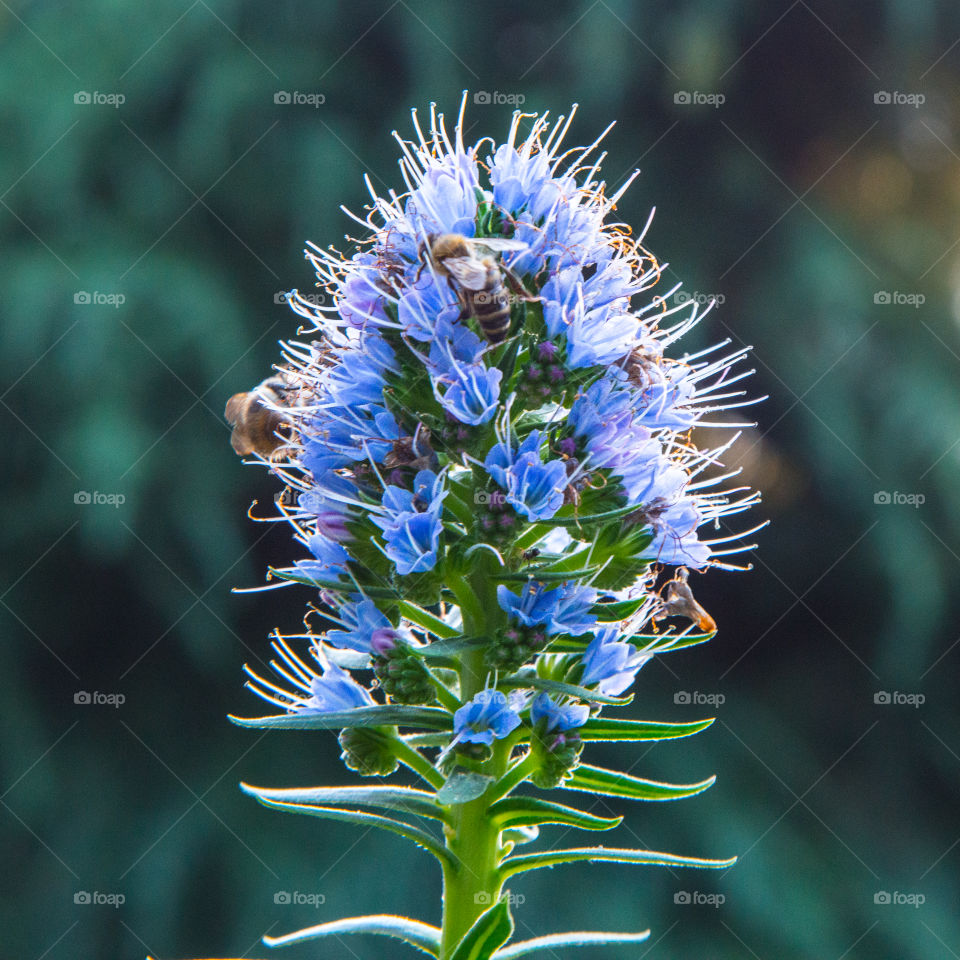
[[472, 882]]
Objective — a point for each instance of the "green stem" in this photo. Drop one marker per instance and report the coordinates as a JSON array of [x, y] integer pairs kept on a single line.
[[472, 882], [513, 777], [444, 696], [417, 762], [469, 607]]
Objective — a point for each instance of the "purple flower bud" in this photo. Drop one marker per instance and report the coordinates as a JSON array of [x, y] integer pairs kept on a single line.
[[331, 523], [547, 350], [383, 640], [568, 446], [555, 373], [534, 372]]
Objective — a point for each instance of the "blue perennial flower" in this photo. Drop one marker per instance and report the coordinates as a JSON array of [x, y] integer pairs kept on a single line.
[[490, 714]]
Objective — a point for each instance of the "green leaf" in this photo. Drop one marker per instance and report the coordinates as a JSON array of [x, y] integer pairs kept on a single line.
[[491, 931], [527, 811], [619, 610], [423, 618], [462, 786], [599, 728], [420, 935], [389, 715], [530, 536], [563, 519], [569, 689], [459, 508], [410, 832], [402, 799], [348, 586], [648, 642], [577, 938], [507, 361], [611, 783], [550, 858], [545, 576], [445, 649]]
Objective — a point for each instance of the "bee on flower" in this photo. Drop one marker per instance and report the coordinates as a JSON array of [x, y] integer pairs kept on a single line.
[[489, 439]]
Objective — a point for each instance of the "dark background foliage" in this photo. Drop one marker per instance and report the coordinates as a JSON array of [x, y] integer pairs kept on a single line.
[[800, 200]]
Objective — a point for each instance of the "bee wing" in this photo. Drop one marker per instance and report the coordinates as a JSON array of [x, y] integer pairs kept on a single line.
[[469, 272], [500, 244]]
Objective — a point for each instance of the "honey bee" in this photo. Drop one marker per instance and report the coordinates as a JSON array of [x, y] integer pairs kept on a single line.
[[642, 368], [414, 452], [678, 601], [256, 426], [476, 278]]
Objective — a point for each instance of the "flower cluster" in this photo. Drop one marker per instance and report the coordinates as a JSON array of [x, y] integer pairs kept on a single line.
[[491, 460]]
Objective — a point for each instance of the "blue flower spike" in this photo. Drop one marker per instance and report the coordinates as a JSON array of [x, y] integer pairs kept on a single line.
[[492, 467]]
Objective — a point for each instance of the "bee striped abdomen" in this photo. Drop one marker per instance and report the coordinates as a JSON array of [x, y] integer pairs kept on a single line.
[[491, 307]]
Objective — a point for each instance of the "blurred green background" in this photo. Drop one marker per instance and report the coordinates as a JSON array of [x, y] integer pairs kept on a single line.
[[827, 221]]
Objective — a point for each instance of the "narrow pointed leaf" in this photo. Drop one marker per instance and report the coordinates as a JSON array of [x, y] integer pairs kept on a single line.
[[600, 728], [530, 536], [462, 786], [491, 931], [545, 576], [347, 586], [550, 858], [445, 649], [402, 799], [568, 689], [577, 938], [588, 779], [418, 836], [420, 935], [662, 643], [389, 715], [569, 520], [530, 811], [423, 618], [620, 610]]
